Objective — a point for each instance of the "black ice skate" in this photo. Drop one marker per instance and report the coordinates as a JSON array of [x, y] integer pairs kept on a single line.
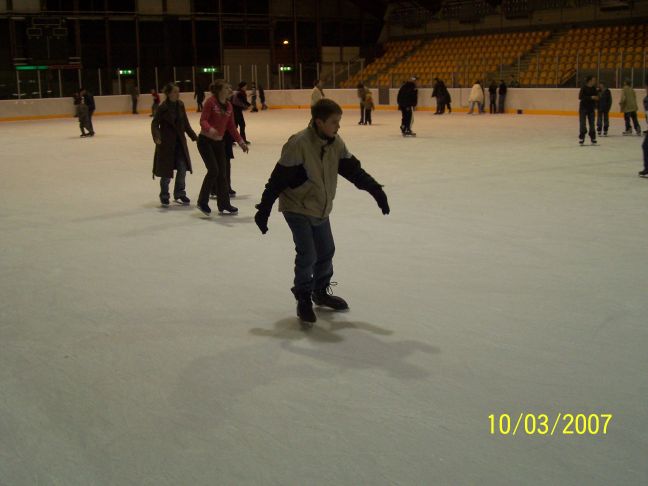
[[305, 311], [581, 140], [232, 193], [164, 201], [325, 298], [409, 133], [228, 210], [644, 174], [184, 200], [204, 207], [627, 132]]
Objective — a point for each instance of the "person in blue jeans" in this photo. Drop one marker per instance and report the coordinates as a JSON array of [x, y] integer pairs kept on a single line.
[[305, 181]]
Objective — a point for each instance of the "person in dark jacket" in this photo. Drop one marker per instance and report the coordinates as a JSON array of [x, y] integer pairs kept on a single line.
[[603, 110], [407, 100], [501, 96], [447, 103], [240, 104], [492, 97], [89, 100], [305, 182], [262, 98], [134, 94], [199, 96], [588, 97], [168, 127], [254, 98], [439, 95], [81, 112]]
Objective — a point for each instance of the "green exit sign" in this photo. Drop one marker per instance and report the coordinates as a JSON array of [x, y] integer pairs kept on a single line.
[[285, 68], [125, 72], [31, 68], [210, 70]]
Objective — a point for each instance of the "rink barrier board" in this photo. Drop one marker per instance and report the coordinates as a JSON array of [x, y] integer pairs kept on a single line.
[[305, 107]]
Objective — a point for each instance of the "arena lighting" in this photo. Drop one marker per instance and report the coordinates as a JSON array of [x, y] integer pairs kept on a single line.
[[286, 42], [210, 70], [285, 68], [125, 72]]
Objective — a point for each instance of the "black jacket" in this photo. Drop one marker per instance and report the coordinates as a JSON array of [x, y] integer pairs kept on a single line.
[[407, 95], [585, 97], [605, 100], [88, 99], [502, 89]]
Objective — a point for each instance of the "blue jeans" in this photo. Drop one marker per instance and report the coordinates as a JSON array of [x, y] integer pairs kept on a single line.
[[315, 248], [181, 172]]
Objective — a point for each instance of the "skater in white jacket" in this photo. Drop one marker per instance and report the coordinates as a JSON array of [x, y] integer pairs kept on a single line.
[[476, 97]]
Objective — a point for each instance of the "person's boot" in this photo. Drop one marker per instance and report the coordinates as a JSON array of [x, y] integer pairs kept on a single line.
[[228, 210], [325, 298], [183, 200], [164, 200], [644, 173], [305, 311]]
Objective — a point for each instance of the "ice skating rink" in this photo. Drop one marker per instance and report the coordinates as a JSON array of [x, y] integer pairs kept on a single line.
[[149, 346]]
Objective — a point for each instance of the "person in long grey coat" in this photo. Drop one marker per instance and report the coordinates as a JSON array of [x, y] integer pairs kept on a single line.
[[169, 126]]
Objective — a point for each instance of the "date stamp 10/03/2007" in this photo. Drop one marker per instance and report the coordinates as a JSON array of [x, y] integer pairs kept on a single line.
[[541, 424]]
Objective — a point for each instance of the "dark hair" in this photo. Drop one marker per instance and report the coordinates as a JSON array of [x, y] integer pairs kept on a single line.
[[360, 86], [168, 88], [627, 81], [242, 84], [589, 78], [217, 86], [316, 82], [325, 108]]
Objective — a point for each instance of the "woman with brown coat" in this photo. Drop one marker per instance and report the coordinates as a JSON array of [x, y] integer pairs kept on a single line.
[[168, 128]]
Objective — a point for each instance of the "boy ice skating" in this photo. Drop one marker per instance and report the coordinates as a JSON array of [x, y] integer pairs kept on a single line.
[[305, 181], [407, 100], [588, 97]]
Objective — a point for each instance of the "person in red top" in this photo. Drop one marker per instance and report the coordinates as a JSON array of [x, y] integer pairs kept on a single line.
[[156, 101], [217, 117]]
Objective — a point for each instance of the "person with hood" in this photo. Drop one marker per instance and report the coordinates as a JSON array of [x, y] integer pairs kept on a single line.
[[603, 107], [629, 108], [168, 128], [407, 100], [588, 97], [476, 97], [305, 181], [317, 93]]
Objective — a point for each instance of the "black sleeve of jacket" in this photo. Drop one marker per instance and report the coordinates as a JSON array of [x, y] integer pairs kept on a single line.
[[282, 177], [352, 171]]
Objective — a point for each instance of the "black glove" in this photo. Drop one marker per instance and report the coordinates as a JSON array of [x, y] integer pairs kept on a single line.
[[381, 198], [261, 218]]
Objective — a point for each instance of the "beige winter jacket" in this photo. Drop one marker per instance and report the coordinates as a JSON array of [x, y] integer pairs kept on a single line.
[[321, 161], [628, 101]]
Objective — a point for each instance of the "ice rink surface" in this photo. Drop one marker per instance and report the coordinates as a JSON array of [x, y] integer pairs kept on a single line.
[[150, 346]]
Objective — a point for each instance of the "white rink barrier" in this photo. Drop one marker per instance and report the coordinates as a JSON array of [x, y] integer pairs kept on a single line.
[[535, 101]]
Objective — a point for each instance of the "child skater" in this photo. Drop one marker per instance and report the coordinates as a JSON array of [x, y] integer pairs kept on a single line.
[[305, 181]]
